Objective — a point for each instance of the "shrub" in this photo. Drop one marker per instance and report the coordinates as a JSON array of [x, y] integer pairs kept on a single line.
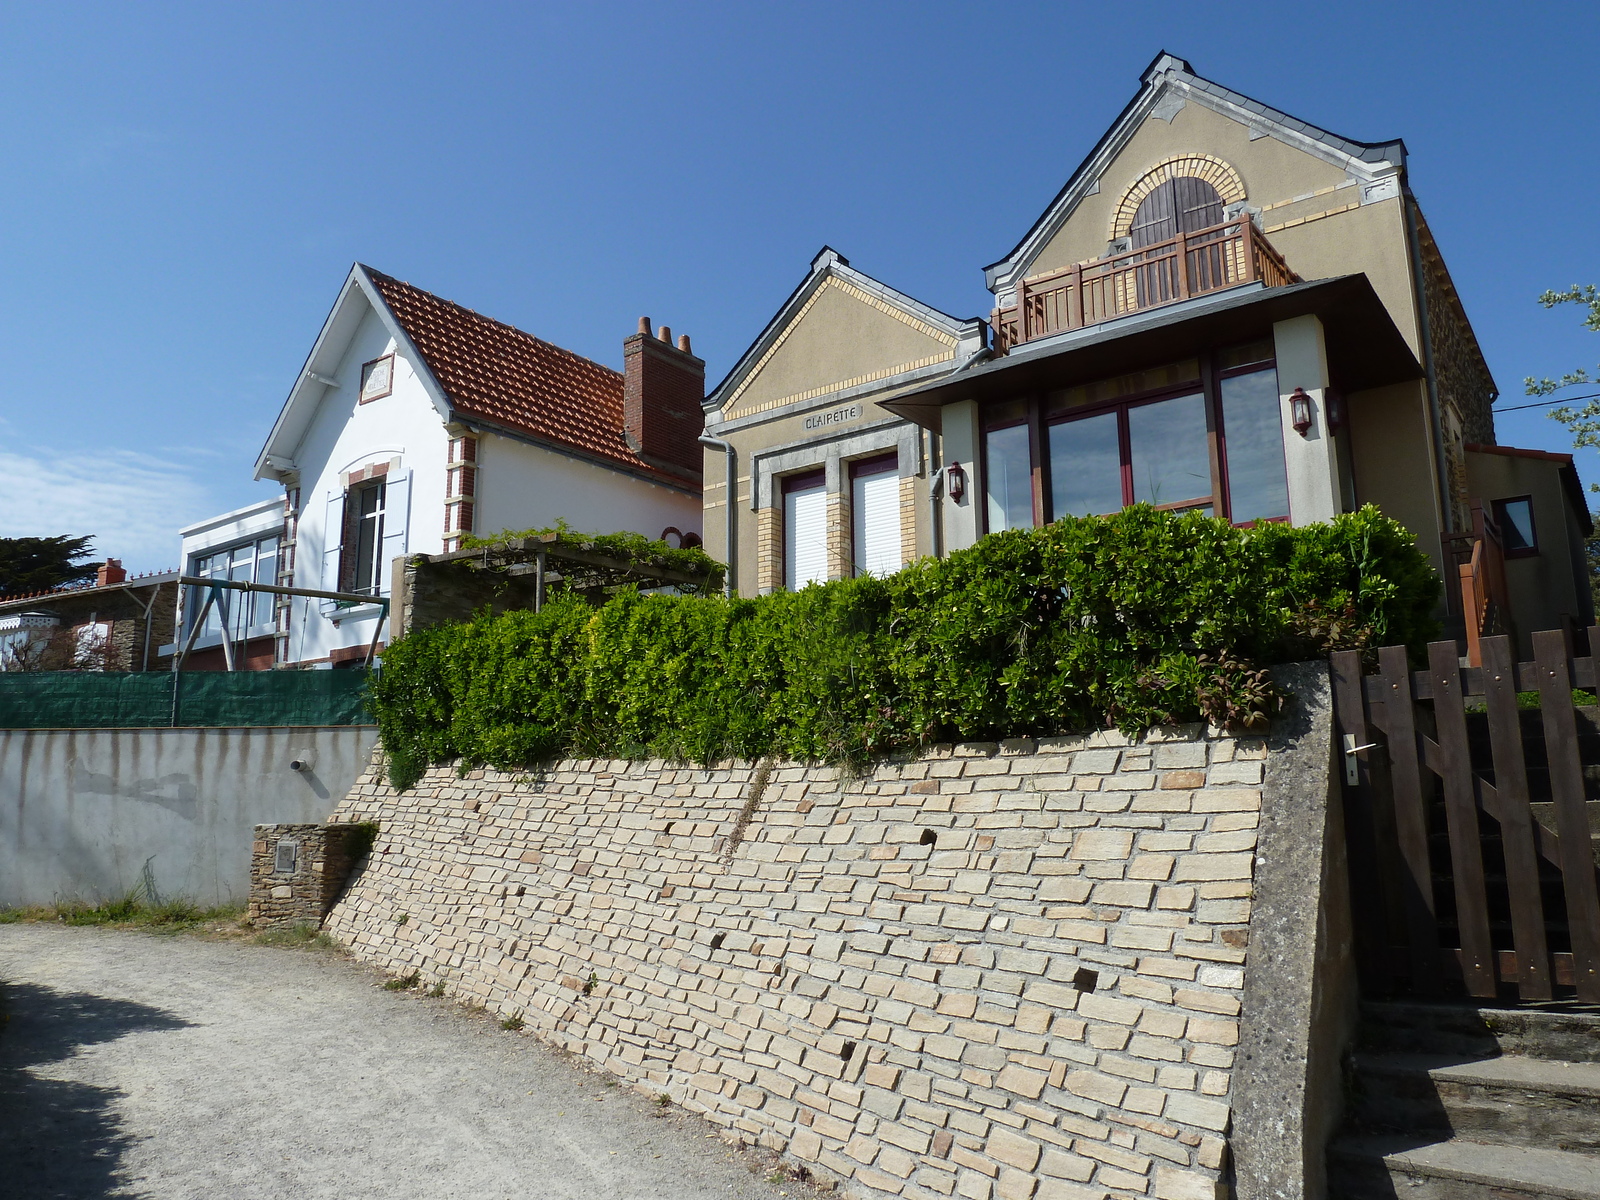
[[1133, 619]]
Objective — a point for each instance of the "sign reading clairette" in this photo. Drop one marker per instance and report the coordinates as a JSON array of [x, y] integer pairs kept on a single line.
[[836, 416]]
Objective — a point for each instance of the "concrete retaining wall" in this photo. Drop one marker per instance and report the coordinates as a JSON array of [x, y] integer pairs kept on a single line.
[[993, 972], [83, 810]]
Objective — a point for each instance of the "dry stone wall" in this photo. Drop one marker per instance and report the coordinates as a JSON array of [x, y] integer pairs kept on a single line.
[[1010, 972]]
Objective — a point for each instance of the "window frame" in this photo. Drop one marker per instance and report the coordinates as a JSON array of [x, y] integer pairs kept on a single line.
[[244, 602], [882, 463], [1498, 507], [1208, 385], [350, 542], [798, 481]]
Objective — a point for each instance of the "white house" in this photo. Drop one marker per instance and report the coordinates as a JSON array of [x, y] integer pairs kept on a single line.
[[416, 421]]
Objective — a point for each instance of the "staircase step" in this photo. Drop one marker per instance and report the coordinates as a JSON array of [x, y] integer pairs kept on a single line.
[[1364, 1168], [1509, 1101], [1571, 1034]]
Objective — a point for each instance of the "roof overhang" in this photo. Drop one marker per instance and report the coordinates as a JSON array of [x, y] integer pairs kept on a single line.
[[358, 295], [1365, 349]]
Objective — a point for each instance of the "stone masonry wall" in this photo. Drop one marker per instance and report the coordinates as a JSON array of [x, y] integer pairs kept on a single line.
[[1007, 972], [300, 886]]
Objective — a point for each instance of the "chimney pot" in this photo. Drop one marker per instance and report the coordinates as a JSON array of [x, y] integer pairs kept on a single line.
[[110, 572], [644, 326], [666, 334], [683, 343]]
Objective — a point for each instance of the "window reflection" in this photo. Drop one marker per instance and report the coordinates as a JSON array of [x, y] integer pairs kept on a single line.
[[1008, 477], [1169, 452], [1252, 427], [1085, 467]]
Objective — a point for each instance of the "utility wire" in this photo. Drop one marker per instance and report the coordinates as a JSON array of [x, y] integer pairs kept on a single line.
[[1550, 403]]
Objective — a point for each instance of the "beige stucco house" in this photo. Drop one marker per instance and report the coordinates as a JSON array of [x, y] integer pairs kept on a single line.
[[1224, 308]]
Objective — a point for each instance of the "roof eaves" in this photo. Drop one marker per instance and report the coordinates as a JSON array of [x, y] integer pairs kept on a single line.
[[1164, 69]]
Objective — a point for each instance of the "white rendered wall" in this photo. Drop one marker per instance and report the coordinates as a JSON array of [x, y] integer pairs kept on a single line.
[[343, 436], [1311, 461], [522, 486], [959, 425]]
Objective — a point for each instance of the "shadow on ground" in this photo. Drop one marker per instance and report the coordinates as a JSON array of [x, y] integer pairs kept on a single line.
[[60, 1140]]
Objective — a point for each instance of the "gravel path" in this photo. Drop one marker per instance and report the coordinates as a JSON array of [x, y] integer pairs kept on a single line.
[[171, 1067]]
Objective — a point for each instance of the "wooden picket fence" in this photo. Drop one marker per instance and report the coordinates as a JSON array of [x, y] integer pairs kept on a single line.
[[1472, 862]]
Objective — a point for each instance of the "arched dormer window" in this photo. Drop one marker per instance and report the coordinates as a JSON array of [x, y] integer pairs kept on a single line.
[[1182, 181]]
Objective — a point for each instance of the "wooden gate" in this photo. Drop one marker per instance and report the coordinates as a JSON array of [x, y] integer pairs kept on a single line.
[[1472, 863]]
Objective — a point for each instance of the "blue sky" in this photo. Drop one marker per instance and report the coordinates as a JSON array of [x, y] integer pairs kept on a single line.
[[187, 185]]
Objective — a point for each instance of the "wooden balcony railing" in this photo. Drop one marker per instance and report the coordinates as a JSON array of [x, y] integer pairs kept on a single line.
[[1481, 571], [1188, 265]]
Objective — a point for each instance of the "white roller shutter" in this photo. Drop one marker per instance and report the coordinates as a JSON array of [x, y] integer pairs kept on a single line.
[[805, 536], [875, 515]]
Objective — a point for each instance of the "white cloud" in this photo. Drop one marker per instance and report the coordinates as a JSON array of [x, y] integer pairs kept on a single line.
[[131, 504]]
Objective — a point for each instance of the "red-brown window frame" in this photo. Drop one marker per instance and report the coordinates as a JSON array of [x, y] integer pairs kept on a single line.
[[1208, 385]]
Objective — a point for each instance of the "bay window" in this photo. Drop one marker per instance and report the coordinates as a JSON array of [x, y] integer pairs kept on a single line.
[[1200, 435]]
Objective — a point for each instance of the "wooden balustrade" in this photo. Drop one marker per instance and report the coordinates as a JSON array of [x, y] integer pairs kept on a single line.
[[1481, 575], [1188, 265]]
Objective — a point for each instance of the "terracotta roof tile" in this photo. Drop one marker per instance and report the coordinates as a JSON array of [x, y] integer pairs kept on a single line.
[[497, 372]]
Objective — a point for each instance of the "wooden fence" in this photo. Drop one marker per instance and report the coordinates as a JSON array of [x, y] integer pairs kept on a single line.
[[1472, 856]]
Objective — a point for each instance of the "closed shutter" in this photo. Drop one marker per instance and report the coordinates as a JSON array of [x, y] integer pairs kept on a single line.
[[396, 523], [332, 547], [875, 515], [805, 536]]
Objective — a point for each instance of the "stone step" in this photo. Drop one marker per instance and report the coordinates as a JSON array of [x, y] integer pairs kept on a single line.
[[1569, 1033], [1509, 1101], [1365, 1168]]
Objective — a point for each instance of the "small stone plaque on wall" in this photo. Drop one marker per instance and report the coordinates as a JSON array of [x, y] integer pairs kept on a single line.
[[288, 857]]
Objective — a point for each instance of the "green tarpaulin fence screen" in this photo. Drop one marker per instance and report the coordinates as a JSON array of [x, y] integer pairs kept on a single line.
[[116, 699]]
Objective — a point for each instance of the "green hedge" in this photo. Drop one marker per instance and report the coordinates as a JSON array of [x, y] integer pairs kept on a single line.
[[1134, 619]]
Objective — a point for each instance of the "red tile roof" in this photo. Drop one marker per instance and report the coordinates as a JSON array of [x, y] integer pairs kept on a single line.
[[512, 379]]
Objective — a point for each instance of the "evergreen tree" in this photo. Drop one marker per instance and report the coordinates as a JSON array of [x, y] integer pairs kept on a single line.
[[35, 564]]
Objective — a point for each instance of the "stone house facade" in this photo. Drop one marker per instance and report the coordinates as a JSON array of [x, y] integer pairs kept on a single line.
[[116, 624]]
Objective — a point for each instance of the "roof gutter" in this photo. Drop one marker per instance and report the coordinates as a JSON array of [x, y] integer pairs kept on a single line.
[[729, 488]]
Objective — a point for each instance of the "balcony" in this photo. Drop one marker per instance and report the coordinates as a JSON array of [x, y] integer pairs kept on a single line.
[[1192, 264]]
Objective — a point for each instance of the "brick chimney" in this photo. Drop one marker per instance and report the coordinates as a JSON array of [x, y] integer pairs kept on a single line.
[[662, 388], [110, 572]]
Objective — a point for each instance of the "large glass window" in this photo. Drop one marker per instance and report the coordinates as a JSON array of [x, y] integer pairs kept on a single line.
[[1169, 452], [1514, 516], [1008, 478], [248, 562], [1163, 436], [1252, 427], [1085, 466]]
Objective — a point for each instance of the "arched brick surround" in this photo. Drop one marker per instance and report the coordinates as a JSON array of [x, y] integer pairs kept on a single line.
[[1202, 166]]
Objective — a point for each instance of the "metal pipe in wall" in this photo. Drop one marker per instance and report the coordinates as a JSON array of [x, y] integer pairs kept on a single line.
[[730, 487]]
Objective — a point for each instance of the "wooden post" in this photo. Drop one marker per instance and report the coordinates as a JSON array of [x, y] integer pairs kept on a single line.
[[538, 577], [1410, 818], [1572, 815], [1516, 820], [1461, 811], [1183, 266]]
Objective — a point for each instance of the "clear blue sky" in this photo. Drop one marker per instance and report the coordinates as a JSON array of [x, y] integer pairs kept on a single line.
[[185, 186]]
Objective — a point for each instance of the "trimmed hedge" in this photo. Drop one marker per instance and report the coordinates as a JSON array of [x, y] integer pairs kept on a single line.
[[1131, 620]]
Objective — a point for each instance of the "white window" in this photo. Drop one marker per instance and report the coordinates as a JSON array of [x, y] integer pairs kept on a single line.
[[875, 515], [805, 530], [364, 532], [249, 562]]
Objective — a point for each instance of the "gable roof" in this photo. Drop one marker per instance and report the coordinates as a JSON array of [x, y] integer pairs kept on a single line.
[[477, 370], [830, 265], [1167, 83]]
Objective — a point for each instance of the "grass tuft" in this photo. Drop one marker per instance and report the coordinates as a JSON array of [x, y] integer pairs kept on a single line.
[[302, 935], [403, 983]]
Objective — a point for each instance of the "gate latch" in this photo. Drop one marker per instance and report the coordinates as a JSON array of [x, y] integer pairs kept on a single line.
[[1351, 769]]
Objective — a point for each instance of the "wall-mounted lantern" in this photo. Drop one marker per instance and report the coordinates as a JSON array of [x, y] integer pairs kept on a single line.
[[1300, 411], [955, 481], [1335, 406]]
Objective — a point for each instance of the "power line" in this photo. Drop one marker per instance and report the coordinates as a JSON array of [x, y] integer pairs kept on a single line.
[[1550, 403]]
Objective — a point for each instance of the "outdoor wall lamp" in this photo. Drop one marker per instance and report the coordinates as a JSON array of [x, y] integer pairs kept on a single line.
[[1300, 411], [1335, 404], [955, 481]]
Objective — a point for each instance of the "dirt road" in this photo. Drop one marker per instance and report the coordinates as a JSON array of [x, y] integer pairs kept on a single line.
[[174, 1067]]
